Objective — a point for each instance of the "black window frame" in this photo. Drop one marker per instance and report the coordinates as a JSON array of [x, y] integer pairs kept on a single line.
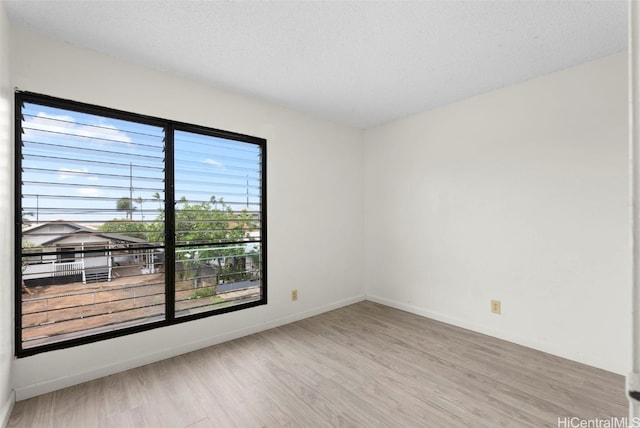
[[170, 127]]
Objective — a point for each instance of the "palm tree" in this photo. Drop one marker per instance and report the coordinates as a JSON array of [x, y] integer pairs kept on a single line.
[[156, 196], [139, 201]]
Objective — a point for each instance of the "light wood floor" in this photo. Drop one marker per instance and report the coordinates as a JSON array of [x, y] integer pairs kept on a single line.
[[364, 365]]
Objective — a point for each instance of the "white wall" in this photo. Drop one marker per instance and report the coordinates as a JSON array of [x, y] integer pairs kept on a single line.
[[519, 195], [315, 189], [6, 226]]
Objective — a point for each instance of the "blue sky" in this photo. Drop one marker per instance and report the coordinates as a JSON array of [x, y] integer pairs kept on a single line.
[[87, 159]]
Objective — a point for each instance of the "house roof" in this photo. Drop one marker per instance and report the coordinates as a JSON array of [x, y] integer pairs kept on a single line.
[[80, 229]]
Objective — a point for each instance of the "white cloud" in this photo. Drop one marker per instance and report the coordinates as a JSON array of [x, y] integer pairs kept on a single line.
[[88, 191], [214, 162], [63, 124], [64, 173]]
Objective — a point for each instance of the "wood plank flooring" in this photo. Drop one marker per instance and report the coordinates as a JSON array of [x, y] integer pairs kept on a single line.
[[365, 365]]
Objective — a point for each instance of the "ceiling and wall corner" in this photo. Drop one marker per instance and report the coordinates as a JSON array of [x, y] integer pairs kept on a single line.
[[358, 63]]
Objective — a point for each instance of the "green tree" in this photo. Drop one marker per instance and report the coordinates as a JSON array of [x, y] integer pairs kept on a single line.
[[29, 247], [212, 222], [26, 221], [207, 222], [34, 249], [126, 205], [134, 229]]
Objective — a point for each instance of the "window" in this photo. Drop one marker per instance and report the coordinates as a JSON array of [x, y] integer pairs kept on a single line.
[[130, 222], [66, 255]]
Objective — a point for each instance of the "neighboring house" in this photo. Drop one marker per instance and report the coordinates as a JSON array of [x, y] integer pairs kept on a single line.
[[65, 252]]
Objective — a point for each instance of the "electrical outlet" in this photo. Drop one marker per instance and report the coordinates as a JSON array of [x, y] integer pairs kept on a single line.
[[495, 307], [294, 295]]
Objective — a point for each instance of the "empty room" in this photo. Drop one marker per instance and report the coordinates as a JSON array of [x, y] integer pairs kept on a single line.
[[318, 214]]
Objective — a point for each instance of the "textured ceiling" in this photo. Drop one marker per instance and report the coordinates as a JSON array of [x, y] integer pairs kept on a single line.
[[360, 63]]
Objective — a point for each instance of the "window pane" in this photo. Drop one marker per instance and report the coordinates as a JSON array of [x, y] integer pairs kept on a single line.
[[217, 222], [93, 234], [104, 250]]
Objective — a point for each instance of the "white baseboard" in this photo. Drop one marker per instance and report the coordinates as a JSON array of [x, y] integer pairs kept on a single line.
[[28, 391], [520, 340], [7, 407]]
